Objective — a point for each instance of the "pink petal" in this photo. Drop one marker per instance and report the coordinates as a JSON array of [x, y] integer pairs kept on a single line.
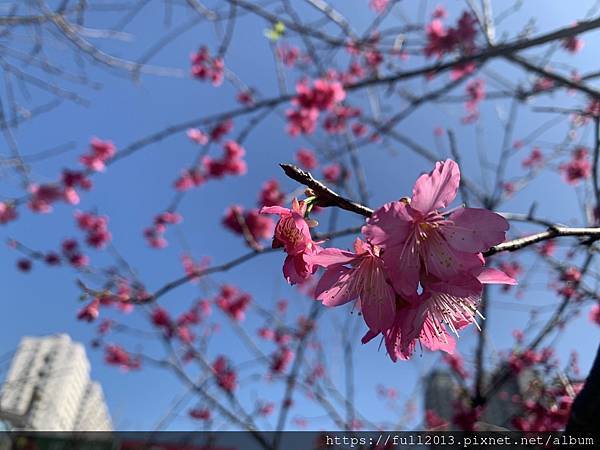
[[434, 341], [445, 262], [378, 301], [463, 285], [334, 287], [369, 335], [405, 353], [389, 225], [296, 269], [403, 267], [275, 210], [398, 343], [475, 229], [330, 256], [436, 189], [489, 275]]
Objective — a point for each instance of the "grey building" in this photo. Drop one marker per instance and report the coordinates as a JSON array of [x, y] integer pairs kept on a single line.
[[48, 388]]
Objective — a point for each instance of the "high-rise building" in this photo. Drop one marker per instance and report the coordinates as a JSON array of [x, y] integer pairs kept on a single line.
[[48, 388]]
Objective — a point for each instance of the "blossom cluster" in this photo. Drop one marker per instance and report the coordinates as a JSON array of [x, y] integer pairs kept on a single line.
[[116, 355], [233, 302], [42, 197], [240, 222], [442, 40], [96, 228], [231, 162], [578, 168], [418, 270], [100, 153], [154, 234], [206, 67], [475, 90], [250, 223], [310, 101]]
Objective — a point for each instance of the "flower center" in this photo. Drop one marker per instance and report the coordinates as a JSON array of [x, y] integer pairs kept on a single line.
[[290, 232], [425, 230]]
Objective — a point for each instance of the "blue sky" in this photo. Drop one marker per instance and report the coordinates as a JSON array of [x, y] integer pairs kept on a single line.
[[133, 190]]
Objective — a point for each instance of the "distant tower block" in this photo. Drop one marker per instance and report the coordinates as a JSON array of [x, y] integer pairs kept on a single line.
[[48, 388]]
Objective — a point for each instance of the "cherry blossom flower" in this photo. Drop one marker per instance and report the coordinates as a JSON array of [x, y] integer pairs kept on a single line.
[[293, 234], [266, 408], [270, 194], [52, 259], [475, 90], [332, 173], [306, 158], [70, 250], [71, 181], [266, 333], [310, 101], [288, 55], [336, 121], [233, 303], [440, 252], [90, 312], [378, 6], [225, 375], [193, 268], [105, 326], [246, 97], [439, 41], [439, 12], [24, 265], [43, 196], [231, 163], [547, 248], [534, 160], [197, 136], [442, 40], [355, 72], [200, 414], [220, 130], [359, 129], [189, 178], [8, 213], [462, 70], [417, 236], [185, 335], [154, 234], [96, 228], [281, 360], [323, 95], [205, 67], [578, 169], [161, 319], [100, 153], [117, 356], [543, 84], [302, 121], [572, 44], [259, 226], [365, 281]]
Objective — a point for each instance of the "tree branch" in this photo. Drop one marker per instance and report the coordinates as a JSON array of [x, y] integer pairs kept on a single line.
[[325, 196]]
